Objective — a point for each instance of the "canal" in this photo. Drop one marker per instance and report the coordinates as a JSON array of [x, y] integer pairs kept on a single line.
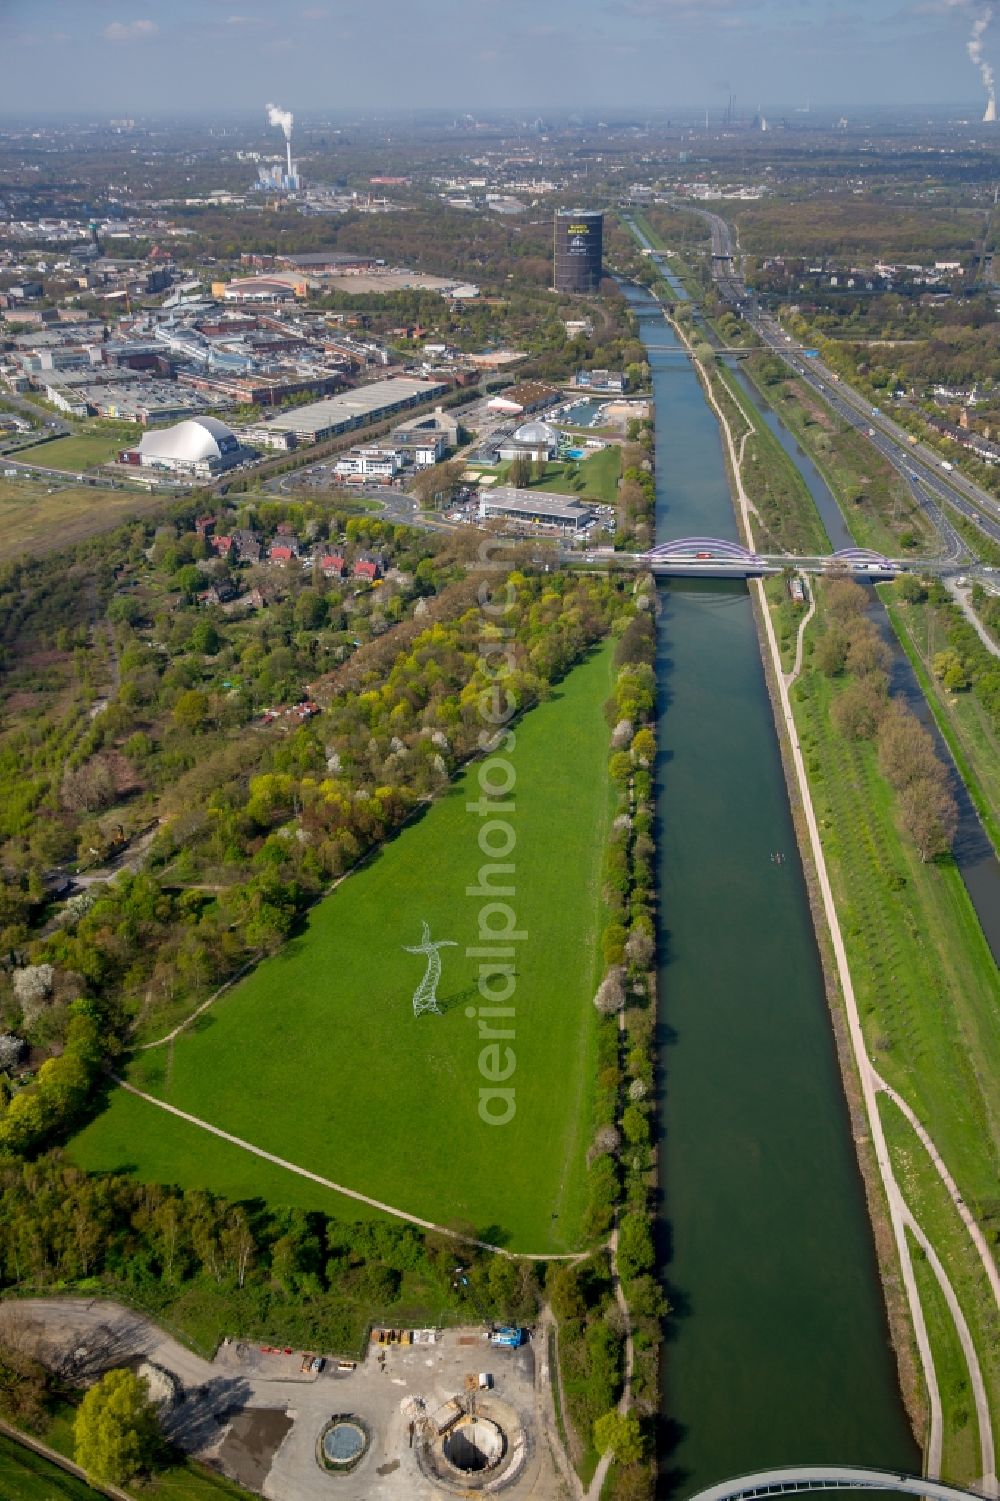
[[778, 1348]]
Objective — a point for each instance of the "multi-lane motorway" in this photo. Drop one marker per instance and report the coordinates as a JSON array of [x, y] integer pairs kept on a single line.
[[932, 487]]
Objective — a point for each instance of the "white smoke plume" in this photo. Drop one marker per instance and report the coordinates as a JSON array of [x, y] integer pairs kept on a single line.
[[282, 117], [974, 47]]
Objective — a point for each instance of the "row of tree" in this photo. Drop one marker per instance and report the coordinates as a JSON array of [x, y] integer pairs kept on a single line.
[[852, 646]]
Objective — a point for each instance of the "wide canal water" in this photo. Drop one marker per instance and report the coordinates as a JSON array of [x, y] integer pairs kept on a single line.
[[778, 1349]]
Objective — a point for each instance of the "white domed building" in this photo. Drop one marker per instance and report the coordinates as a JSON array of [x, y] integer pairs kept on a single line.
[[532, 440], [198, 446]]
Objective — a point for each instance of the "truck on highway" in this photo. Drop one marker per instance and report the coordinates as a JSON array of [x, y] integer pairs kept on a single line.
[[945, 464]]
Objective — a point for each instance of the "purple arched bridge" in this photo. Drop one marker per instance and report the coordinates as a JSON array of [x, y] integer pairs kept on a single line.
[[699, 553], [707, 547]]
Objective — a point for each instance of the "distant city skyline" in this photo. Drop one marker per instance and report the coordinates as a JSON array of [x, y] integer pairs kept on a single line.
[[132, 56]]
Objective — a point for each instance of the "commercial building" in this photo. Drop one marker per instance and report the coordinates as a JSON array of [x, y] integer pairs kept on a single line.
[[351, 409], [529, 396], [199, 447], [535, 508], [615, 381], [579, 246]]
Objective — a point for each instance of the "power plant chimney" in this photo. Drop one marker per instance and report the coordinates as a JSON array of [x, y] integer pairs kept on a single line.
[[288, 148], [990, 116]]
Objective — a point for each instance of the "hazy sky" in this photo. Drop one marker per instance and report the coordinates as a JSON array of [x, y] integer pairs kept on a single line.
[[110, 56]]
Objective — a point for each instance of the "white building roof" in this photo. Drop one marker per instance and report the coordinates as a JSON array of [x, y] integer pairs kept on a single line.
[[189, 442], [537, 432]]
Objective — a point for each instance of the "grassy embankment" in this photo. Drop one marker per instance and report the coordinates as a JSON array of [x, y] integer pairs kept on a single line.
[[787, 519], [927, 985], [927, 990], [875, 500], [318, 1058], [27, 1476], [960, 717]]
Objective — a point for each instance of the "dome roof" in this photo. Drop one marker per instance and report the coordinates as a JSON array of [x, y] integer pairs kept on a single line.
[[189, 442], [537, 432]]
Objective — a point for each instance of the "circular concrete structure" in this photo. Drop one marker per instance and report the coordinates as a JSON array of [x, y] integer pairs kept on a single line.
[[343, 1444], [483, 1451], [473, 1445]]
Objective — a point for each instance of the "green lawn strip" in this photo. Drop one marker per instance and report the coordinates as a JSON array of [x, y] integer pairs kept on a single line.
[[317, 1056], [26, 1476], [131, 1135], [926, 983], [960, 1462], [80, 452], [938, 1218], [959, 718]]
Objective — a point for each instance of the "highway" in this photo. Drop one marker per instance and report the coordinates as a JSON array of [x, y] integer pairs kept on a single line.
[[921, 467]]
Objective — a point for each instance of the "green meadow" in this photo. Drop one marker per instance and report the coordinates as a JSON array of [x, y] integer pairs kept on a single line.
[[317, 1055]]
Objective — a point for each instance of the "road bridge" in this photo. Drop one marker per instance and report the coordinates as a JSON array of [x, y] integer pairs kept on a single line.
[[715, 557], [798, 1478]]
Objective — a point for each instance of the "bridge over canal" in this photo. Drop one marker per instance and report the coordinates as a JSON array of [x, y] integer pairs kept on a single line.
[[799, 1478], [714, 557]]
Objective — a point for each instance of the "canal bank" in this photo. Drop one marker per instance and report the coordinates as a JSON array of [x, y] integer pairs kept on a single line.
[[778, 1345], [950, 908]]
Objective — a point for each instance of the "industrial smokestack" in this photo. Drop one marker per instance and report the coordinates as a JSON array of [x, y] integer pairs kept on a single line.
[[991, 109], [284, 119]]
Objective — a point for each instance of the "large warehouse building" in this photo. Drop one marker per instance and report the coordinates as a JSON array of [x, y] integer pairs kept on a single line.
[[351, 409], [579, 247], [201, 446]]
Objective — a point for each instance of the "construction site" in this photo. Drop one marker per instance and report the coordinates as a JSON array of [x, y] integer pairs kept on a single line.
[[427, 1412]]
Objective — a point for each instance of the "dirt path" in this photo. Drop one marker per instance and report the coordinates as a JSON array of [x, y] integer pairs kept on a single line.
[[976, 1235], [790, 677], [961, 598], [546, 1378], [349, 1193]]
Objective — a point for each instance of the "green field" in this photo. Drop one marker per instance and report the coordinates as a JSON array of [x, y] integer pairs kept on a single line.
[[318, 1058], [927, 991], [80, 452], [25, 1476]]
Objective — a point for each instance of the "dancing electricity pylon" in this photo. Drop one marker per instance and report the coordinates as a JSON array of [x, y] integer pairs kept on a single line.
[[425, 995]]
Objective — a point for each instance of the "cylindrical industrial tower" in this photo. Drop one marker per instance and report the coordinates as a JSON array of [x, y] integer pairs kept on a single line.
[[579, 236]]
